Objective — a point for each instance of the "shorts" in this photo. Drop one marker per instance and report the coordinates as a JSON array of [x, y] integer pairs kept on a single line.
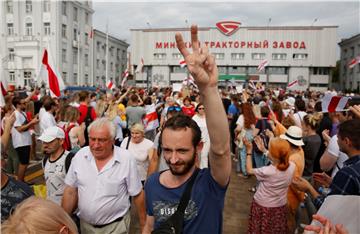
[[23, 154]]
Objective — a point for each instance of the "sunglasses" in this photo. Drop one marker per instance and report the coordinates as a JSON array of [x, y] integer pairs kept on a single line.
[[201, 108], [174, 108]]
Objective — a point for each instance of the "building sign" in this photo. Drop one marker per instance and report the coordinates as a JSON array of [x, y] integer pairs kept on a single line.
[[239, 44], [228, 27], [232, 77]]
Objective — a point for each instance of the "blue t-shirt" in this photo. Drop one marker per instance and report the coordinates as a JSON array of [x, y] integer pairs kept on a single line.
[[204, 211], [232, 110]]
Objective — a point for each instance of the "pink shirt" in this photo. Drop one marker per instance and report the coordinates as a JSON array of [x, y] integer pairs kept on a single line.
[[272, 190]]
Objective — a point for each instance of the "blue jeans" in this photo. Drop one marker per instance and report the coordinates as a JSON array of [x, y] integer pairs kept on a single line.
[[260, 159]]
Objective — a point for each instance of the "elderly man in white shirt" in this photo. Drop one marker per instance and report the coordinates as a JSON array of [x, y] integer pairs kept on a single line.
[[100, 181]]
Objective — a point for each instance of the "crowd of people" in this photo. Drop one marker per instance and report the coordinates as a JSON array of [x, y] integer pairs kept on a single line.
[[171, 155]]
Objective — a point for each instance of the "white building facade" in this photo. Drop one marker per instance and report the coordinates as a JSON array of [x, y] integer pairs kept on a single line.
[[306, 54], [116, 58], [349, 77], [64, 28]]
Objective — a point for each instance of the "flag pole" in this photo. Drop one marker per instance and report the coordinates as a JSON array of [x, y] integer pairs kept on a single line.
[[78, 58], [107, 50]]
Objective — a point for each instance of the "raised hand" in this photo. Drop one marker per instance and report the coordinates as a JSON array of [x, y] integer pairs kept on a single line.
[[322, 178], [200, 63], [327, 226]]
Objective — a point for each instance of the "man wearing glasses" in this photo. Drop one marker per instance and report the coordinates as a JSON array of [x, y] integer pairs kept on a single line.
[[100, 181], [21, 136]]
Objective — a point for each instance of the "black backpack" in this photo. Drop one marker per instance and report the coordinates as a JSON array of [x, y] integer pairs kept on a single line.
[[68, 159], [262, 135]]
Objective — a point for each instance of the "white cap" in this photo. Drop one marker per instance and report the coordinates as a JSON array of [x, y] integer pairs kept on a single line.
[[290, 101], [51, 134]]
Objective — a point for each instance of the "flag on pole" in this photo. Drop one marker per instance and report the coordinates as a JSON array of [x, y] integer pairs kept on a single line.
[[3, 85], [2, 100], [110, 85], [252, 85], [262, 65], [150, 120], [330, 103], [124, 77], [182, 63], [140, 67], [91, 34], [293, 83], [50, 76], [354, 61], [189, 81]]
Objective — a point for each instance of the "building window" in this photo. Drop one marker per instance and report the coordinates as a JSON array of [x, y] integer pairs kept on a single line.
[[320, 71], [12, 76], [47, 28], [237, 56], [160, 56], [86, 18], [75, 55], [63, 8], [352, 52], [279, 56], [64, 76], [104, 65], [258, 56], [177, 56], [10, 27], [111, 66], [28, 29], [28, 6], [75, 34], [123, 56], [222, 70], [63, 31], [178, 69], [97, 63], [98, 44], [237, 70], [46, 6], [254, 70], [86, 39], [219, 56], [300, 56], [9, 6], [277, 70], [86, 60], [86, 81], [111, 49], [76, 78], [11, 54], [64, 55], [75, 14], [27, 77]]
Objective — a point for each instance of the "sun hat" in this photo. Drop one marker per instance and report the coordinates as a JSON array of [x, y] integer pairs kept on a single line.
[[51, 133], [290, 101], [293, 135]]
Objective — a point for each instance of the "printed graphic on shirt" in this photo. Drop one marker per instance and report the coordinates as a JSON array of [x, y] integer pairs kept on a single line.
[[164, 209]]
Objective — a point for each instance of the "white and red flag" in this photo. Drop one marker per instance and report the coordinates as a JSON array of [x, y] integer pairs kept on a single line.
[[262, 65], [182, 63], [150, 120], [292, 84], [330, 103], [124, 77], [91, 34], [110, 85], [189, 81], [3, 85], [140, 67], [252, 85], [50, 76], [354, 62]]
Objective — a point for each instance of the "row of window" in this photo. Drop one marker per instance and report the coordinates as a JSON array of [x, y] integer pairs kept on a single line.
[[29, 29], [102, 46], [111, 66], [75, 76], [239, 56], [350, 52]]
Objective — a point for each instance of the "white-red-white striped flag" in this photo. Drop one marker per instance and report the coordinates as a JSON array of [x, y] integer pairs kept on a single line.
[[50, 76], [91, 34], [140, 67], [354, 61], [182, 63], [330, 103], [252, 85], [3, 85], [110, 85], [150, 120], [292, 83], [262, 65], [125, 74]]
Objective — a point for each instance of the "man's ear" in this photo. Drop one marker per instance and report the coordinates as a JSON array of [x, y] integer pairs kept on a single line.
[[199, 147]]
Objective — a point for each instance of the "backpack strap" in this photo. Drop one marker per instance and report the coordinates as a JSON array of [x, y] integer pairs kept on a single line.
[[45, 159], [88, 113], [128, 142], [184, 201], [68, 159]]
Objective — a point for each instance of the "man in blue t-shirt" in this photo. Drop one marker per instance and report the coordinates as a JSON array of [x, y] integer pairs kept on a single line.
[[180, 143]]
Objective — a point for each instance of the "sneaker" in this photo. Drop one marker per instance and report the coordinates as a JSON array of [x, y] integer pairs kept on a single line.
[[243, 176], [252, 189]]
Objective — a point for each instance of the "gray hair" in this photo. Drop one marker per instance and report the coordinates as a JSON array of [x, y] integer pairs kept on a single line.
[[99, 123]]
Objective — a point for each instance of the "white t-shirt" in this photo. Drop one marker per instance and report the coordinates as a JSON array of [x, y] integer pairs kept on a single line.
[[298, 118], [240, 121], [20, 139], [140, 153], [46, 120], [334, 149], [201, 122]]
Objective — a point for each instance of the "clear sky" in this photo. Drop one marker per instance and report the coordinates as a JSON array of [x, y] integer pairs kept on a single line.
[[123, 16]]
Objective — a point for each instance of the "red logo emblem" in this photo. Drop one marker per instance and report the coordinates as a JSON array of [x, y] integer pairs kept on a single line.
[[228, 27]]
